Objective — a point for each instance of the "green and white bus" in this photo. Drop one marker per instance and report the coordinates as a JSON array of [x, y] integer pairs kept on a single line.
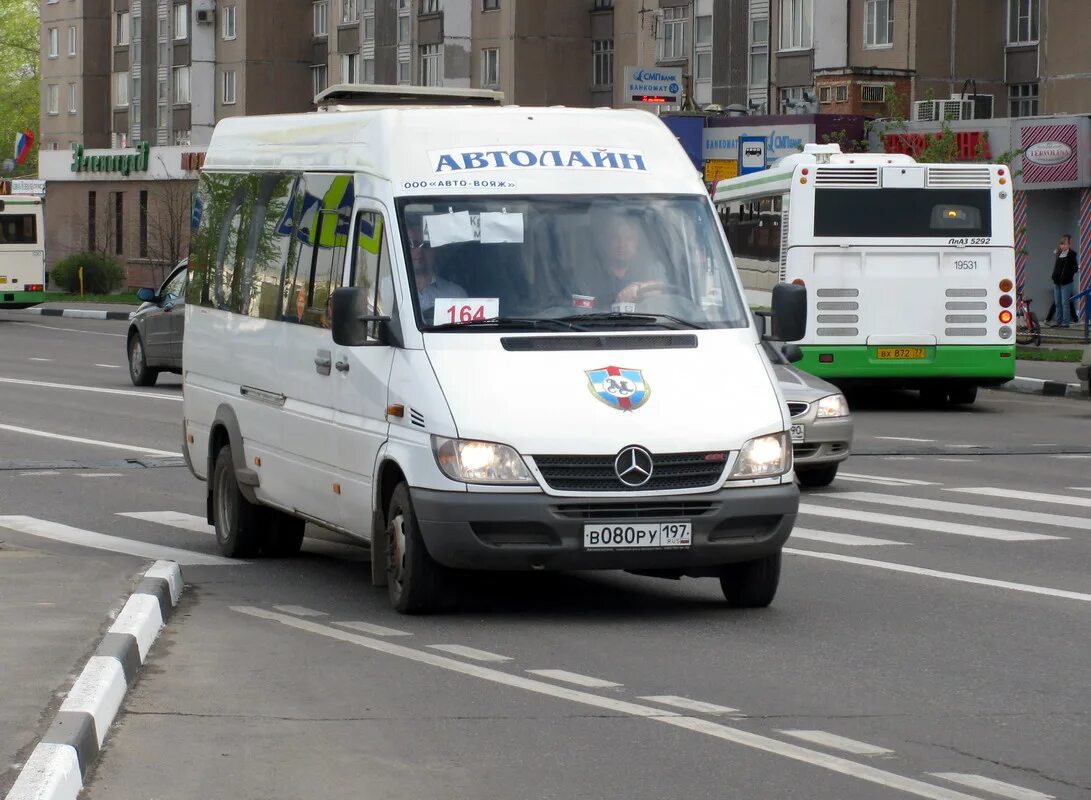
[[909, 268], [22, 251]]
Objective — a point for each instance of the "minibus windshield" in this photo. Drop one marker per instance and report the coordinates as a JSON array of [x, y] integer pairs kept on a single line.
[[582, 262]]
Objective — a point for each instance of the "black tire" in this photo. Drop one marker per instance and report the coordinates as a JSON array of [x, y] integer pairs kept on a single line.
[[414, 580], [237, 521], [751, 584], [963, 395], [816, 477], [282, 535], [139, 371], [934, 396]]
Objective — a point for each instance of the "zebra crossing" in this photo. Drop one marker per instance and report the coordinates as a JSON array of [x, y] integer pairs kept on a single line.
[[846, 517]]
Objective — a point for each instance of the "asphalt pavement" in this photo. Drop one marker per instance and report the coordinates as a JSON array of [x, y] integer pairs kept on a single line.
[[929, 638]]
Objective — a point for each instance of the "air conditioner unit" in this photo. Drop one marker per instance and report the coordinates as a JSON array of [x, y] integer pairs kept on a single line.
[[936, 110], [204, 15]]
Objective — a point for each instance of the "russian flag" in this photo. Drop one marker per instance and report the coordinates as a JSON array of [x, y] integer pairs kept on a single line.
[[23, 143]]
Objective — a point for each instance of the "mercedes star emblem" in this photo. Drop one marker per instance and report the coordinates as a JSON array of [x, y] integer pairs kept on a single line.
[[633, 466]]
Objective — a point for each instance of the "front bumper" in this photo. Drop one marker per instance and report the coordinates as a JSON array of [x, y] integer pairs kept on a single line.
[[826, 441], [537, 531]]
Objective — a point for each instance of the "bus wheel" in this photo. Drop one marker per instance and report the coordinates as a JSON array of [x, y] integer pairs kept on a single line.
[[963, 395], [934, 396], [414, 580], [237, 520], [139, 371], [751, 584]]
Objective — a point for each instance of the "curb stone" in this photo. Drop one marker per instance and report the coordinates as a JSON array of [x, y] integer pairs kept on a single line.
[[80, 313], [1043, 387], [58, 764]]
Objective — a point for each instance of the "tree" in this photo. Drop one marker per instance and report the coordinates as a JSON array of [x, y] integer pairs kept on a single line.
[[19, 59], [170, 205]]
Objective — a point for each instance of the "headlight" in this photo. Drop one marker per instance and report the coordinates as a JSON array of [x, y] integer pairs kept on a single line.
[[835, 405], [479, 462], [763, 457]]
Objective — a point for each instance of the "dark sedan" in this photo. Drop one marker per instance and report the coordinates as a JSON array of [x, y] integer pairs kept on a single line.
[[154, 342]]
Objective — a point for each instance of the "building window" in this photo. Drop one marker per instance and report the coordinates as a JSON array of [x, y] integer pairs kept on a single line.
[[181, 85], [703, 66], [350, 12], [672, 41], [490, 5], [119, 224], [229, 87], [229, 23], [72, 98], [369, 70], [71, 40], [759, 51], [92, 219], [702, 43], [602, 62], [53, 99], [792, 101], [490, 67], [403, 72], [825, 94], [879, 23], [403, 29], [322, 18], [795, 24], [702, 30], [320, 79], [183, 138], [841, 93], [1022, 21], [600, 4], [431, 7], [369, 27], [143, 228], [350, 67], [121, 89], [1024, 99], [181, 21], [431, 65], [54, 43], [873, 92]]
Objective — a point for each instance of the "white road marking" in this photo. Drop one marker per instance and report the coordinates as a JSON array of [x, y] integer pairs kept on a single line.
[[853, 476], [957, 460], [114, 544], [301, 611], [72, 387], [1017, 494], [840, 538], [835, 742], [1071, 455], [904, 439], [96, 442], [374, 630], [68, 330], [992, 785], [175, 519], [699, 706], [964, 446], [1081, 488], [469, 652], [108, 366], [970, 509], [573, 677], [843, 766], [959, 577], [39, 359], [926, 525], [39, 473], [100, 474]]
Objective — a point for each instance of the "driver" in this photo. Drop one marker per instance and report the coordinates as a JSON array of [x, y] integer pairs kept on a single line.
[[430, 286], [616, 280]]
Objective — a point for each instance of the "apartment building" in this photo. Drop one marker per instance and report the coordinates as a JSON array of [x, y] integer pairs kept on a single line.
[[75, 74]]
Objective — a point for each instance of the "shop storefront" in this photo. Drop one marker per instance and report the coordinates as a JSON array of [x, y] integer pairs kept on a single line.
[[133, 205]]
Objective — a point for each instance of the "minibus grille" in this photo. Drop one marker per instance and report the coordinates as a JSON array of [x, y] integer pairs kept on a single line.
[[847, 176], [660, 510], [582, 473], [959, 176]]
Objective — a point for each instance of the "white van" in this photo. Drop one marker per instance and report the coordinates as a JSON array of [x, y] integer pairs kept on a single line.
[[486, 338]]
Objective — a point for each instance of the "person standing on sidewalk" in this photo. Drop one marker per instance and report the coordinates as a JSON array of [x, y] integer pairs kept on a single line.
[[1064, 278]]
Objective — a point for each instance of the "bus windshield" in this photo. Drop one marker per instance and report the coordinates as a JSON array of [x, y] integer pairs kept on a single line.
[[618, 261], [902, 213]]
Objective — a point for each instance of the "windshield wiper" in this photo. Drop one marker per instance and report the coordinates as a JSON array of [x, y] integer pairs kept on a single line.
[[509, 322], [666, 320]]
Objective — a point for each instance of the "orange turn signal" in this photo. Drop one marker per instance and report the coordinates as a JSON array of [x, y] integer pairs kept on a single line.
[[1005, 316], [1006, 285]]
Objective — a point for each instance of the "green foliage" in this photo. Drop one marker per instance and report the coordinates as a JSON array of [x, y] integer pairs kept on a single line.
[[101, 274], [20, 98]]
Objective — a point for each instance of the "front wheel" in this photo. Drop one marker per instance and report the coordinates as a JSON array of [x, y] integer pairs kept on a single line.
[[139, 371], [414, 580], [751, 584], [236, 519], [963, 395], [816, 477]]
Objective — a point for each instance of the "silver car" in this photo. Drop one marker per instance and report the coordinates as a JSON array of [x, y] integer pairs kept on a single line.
[[154, 342], [821, 421]]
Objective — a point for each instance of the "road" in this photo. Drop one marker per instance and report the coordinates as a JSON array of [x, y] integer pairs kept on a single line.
[[929, 638]]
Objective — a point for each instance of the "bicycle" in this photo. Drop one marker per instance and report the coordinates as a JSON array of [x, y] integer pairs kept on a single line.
[[1027, 328]]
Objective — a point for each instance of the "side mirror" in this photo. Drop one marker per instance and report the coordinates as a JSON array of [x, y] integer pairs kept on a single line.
[[146, 295], [351, 324], [789, 312], [792, 353]]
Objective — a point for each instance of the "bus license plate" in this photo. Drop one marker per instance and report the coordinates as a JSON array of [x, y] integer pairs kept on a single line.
[[798, 434], [637, 535], [901, 352]]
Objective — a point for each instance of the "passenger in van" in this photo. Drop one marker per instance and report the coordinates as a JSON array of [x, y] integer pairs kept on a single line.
[[621, 275], [429, 284]]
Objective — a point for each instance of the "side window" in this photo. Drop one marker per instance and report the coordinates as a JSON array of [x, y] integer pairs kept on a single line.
[[325, 203], [371, 263], [270, 247], [174, 287], [217, 203]]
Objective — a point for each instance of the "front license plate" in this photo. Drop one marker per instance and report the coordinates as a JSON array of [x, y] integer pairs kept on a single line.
[[901, 352], [798, 434], [637, 535]]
